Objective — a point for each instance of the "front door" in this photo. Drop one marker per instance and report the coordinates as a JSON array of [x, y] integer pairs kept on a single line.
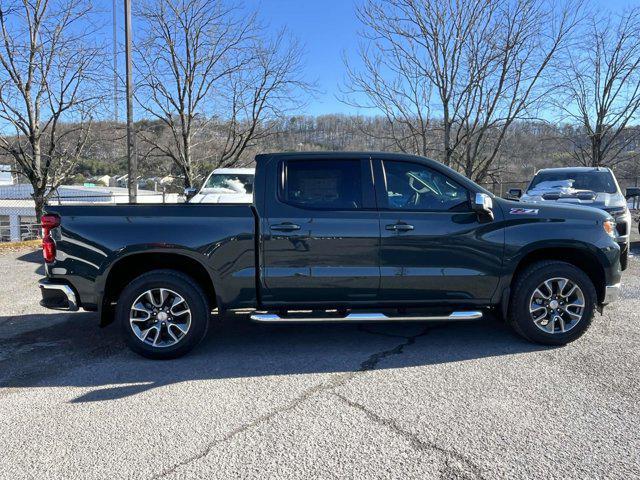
[[321, 235], [433, 247]]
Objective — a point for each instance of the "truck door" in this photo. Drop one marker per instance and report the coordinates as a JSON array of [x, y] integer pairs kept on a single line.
[[433, 248], [320, 233]]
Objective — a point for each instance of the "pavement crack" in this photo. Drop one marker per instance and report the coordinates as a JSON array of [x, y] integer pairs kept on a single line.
[[308, 393], [464, 468], [338, 381], [372, 362]]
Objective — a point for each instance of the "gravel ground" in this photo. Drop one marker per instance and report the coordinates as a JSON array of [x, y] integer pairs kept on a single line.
[[333, 401]]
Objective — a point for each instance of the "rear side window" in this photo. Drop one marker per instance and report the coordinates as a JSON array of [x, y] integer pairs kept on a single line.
[[326, 184]]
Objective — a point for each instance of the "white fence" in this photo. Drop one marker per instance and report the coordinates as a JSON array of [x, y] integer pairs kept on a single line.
[[17, 208]]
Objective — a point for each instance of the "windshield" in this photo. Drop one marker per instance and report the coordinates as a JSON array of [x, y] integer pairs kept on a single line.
[[596, 181], [231, 182]]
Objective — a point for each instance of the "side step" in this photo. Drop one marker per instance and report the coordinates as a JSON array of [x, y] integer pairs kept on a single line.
[[365, 317]]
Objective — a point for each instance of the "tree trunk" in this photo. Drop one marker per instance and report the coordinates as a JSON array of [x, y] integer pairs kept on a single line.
[[188, 181], [38, 198], [447, 136], [596, 159]]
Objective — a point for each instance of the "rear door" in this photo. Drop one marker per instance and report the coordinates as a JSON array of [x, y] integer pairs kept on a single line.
[[321, 234], [433, 248]]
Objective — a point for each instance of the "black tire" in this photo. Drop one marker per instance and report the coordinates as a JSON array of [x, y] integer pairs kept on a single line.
[[528, 280], [179, 283]]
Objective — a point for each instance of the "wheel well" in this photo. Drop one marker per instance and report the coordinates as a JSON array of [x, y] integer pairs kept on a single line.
[[585, 261], [131, 267]]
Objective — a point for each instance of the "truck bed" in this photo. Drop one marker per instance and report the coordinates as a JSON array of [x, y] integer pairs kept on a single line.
[[94, 238]]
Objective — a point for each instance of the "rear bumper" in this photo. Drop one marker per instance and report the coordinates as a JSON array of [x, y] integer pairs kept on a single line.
[[57, 296], [611, 294]]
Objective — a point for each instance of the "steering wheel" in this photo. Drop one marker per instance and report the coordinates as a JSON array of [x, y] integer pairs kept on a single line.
[[425, 188]]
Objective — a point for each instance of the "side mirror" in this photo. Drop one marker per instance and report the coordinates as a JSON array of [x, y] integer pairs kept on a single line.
[[483, 206], [514, 193], [632, 192], [190, 192]]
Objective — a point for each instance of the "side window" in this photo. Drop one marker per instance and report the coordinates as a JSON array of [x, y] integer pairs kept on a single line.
[[329, 184], [411, 186]]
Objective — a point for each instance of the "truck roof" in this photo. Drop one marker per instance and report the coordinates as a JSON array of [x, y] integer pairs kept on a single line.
[[575, 169], [342, 154], [333, 155], [234, 170]]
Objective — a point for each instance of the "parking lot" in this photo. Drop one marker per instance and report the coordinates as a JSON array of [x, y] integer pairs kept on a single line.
[[468, 400]]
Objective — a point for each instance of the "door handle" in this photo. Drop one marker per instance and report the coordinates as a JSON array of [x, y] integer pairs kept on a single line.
[[285, 227], [399, 227]]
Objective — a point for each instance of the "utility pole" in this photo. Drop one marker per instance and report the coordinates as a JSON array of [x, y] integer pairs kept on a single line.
[[115, 63], [131, 139]]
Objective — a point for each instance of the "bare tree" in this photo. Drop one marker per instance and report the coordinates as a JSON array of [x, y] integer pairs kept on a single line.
[[187, 47], [267, 88], [484, 62], [390, 84], [211, 78], [601, 89], [47, 89]]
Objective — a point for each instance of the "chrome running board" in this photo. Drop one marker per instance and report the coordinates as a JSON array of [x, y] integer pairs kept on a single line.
[[365, 317]]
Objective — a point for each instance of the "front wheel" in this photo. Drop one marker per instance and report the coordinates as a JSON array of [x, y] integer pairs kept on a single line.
[[163, 314], [552, 303]]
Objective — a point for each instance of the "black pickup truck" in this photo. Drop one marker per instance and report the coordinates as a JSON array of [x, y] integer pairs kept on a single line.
[[349, 237]]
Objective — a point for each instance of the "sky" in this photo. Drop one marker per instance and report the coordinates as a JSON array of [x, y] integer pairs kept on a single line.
[[328, 29]]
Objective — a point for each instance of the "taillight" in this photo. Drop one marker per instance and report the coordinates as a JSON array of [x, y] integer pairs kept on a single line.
[[48, 249], [50, 221], [48, 245]]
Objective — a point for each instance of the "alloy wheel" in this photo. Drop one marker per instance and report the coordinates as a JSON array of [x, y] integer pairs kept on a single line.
[[557, 305], [160, 317]]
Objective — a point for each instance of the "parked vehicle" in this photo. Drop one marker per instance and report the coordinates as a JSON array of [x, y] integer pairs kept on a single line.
[[339, 237], [595, 187], [632, 195], [225, 185]]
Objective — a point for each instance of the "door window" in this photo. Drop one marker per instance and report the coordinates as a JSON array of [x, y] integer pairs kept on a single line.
[[412, 186], [325, 184]]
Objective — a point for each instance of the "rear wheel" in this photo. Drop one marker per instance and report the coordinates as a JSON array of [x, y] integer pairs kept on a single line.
[[163, 314], [553, 303]]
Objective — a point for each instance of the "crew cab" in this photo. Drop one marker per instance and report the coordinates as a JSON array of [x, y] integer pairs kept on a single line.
[[339, 237]]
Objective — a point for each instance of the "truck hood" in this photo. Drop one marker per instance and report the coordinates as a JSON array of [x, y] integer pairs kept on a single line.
[[219, 197], [553, 210], [563, 196]]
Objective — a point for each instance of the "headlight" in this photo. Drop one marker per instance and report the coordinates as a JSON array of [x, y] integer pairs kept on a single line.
[[609, 227]]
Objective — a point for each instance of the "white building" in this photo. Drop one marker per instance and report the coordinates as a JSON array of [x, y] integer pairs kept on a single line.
[[6, 178], [18, 214]]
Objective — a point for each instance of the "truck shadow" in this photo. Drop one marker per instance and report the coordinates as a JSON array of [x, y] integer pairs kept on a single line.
[[75, 352], [34, 257]]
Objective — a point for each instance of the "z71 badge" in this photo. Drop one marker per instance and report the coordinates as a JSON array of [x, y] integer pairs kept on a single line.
[[524, 211]]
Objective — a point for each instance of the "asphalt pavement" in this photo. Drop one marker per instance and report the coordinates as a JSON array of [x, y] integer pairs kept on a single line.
[[467, 400]]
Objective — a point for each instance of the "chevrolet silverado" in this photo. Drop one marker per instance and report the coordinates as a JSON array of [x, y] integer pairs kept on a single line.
[[333, 237]]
